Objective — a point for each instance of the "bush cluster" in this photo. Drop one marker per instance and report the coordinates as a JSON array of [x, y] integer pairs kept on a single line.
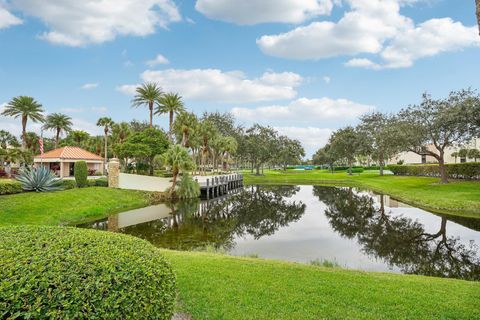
[[71, 184], [80, 171], [468, 171], [70, 273], [10, 187]]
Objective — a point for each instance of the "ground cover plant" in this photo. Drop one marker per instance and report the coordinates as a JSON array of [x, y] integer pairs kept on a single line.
[[455, 198], [70, 273]]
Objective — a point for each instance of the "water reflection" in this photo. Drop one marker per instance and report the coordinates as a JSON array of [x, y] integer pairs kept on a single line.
[[301, 223], [399, 240]]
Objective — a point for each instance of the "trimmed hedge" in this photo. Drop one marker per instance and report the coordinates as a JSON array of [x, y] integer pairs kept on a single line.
[[71, 184], [10, 187], [468, 171], [80, 171], [70, 273]]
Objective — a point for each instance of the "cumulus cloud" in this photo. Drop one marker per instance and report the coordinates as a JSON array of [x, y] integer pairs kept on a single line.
[[373, 27], [7, 19], [220, 86], [87, 86], [249, 12], [99, 109], [159, 59], [305, 110], [78, 23], [312, 138], [72, 110]]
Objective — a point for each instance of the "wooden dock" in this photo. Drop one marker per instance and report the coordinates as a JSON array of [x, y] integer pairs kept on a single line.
[[215, 186]]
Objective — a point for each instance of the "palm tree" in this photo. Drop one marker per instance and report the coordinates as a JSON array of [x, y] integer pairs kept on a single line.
[[107, 123], [478, 14], [178, 159], [170, 103], [185, 125], [149, 94], [230, 147], [78, 137], [26, 108], [207, 131], [58, 122], [455, 155], [7, 139]]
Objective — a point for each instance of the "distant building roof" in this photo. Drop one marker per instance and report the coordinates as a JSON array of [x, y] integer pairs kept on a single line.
[[72, 153]]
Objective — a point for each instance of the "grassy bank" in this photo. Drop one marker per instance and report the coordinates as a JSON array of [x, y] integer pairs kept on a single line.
[[460, 198], [68, 206], [222, 287]]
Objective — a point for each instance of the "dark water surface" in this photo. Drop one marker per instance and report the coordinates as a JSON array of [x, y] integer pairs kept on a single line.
[[357, 230]]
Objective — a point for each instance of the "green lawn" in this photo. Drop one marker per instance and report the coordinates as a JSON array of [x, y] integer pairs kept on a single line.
[[456, 198], [69, 206], [222, 287]]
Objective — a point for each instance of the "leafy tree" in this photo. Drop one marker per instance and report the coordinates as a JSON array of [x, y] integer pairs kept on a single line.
[[120, 132], [324, 156], [25, 108], [59, 123], [32, 142], [144, 146], [138, 126], [474, 154], [170, 103], [107, 124], [261, 145], [290, 151], [7, 139], [379, 136], [179, 160], [149, 94], [184, 126], [346, 144], [441, 123], [78, 138]]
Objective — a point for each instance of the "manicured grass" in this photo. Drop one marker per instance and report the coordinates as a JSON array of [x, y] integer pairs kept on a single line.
[[68, 206], [222, 287], [460, 198]]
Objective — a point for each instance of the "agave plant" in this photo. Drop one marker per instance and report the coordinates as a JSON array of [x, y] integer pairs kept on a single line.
[[39, 179]]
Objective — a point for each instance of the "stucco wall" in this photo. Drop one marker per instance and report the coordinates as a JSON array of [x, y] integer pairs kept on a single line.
[[145, 183]]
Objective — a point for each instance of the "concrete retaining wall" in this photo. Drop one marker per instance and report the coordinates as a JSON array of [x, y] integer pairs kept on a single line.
[[145, 183]]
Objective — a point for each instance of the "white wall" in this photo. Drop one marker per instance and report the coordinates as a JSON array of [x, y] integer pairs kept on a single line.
[[145, 183]]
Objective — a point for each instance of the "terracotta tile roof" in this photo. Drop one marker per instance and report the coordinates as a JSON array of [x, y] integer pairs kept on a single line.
[[69, 153]]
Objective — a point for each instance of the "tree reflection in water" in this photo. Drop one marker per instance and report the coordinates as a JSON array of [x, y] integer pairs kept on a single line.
[[398, 240], [255, 211]]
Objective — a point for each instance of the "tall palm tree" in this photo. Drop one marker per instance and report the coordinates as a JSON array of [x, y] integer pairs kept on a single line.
[[185, 125], [230, 147], [107, 123], [178, 159], [207, 131], [149, 93], [170, 103], [58, 122], [25, 108]]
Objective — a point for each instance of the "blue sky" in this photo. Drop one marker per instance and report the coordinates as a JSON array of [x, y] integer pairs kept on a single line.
[[305, 67]]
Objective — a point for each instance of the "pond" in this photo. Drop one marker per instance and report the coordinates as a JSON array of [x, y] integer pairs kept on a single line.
[[351, 228]]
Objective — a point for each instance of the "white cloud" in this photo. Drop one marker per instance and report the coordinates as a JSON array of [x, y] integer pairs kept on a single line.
[[99, 109], [86, 125], [219, 86], [327, 79], [159, 59], [249, 12], [373, 27], [72, 110], [87, 86], [78, 23], [306, 111], [7, 19], [312, 138]]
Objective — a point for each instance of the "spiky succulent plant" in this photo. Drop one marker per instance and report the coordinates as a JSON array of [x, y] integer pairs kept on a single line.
[[39, 179]]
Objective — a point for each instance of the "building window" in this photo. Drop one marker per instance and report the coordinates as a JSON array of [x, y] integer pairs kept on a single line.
[[424, 158]]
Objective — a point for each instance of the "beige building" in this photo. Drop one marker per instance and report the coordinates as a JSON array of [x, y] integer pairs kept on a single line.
[[414, 158], [62, 160]]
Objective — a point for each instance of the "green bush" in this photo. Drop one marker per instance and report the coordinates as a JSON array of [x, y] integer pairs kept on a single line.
[[80, 171], [10, 187], [468, 171], [70, 273], [69, 184], [357, 170]]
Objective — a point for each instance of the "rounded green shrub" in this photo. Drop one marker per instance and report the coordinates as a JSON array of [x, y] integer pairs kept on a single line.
[[80, 171], [70, 273], [10, 187]]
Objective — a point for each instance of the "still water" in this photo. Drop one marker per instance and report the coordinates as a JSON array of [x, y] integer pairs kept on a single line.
[[355, 229]]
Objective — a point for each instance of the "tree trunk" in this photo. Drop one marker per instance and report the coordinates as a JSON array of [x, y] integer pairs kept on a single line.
[[24, 133], [170, 127], [174, 183], [349, 168], [443, 170], [150, 106], [150, 170], [57, 137], [106, 151], [382, 164], [184, 139], [478, 14], [257, 167]]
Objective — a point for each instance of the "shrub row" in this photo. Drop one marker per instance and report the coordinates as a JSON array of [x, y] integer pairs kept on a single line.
[[468, 171], [71, 184], [70, 273], [10, 187]]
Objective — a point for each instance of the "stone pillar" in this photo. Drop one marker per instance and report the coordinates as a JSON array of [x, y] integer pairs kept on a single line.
[[113, 173]]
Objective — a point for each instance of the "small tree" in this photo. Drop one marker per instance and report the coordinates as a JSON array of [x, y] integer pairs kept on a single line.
[[455, 155], [345, 144], [179, 160], [80, 171], [474, 154]]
